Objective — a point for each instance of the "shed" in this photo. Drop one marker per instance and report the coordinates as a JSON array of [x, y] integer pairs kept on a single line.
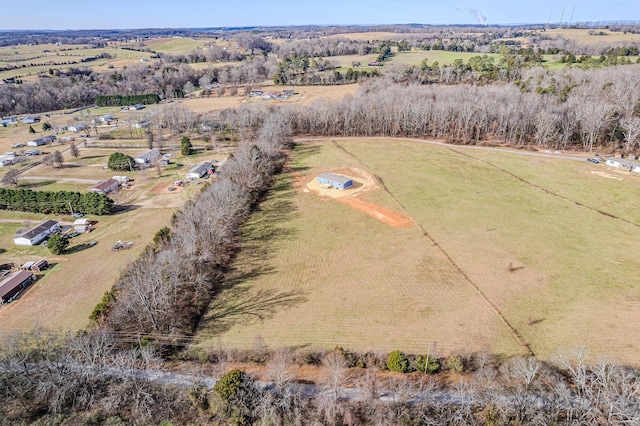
[[40, 265], [105, 186], [11, 286], [82, 225], [336, 181], [34, 235], [199, 170]]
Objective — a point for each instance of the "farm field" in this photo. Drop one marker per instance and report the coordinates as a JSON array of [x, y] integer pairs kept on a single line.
[[304, 94], [443, 57], [561, 275], [583, 36]]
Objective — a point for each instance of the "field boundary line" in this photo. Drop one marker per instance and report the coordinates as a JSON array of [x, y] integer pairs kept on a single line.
[[547, 191], [446, 255]]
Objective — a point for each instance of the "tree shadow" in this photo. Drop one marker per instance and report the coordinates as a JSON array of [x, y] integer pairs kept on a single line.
[[36, 184], [241, 303], [121, 209], [78, 248], [239, 299]]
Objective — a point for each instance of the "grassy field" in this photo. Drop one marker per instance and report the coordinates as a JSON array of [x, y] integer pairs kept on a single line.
[[583, 36], [443, 57], [561, 275]]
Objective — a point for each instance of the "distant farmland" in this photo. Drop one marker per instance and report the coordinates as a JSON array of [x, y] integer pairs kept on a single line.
[[508, 253]]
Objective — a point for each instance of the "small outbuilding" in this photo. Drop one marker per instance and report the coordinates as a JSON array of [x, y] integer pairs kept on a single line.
[[199, 170], [11, 286], [105, 186], [82, 225], [34, 235], [335, 181], [40, 265]]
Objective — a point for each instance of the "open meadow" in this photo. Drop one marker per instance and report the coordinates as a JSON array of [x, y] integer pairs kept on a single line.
[[507, 253]]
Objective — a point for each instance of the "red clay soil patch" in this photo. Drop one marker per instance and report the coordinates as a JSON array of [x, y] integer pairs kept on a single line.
[[391, 218], [362, 182], [163, 188]]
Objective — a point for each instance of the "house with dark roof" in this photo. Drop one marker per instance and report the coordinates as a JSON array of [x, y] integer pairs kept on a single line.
[[105, 186], [34, 235], [11, 286]]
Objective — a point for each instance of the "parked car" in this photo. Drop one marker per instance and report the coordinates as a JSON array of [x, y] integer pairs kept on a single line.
[[77, 215]]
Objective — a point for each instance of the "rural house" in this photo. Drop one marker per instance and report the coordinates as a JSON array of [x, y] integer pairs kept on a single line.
[[37, 142], [105, 186], [34, 235], [77, 127], [621, 163], [15, 282], [199, 170], [148, 157], [336, 181]]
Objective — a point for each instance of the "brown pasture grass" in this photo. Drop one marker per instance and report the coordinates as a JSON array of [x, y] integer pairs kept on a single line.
[[583, 36], [562, 275]]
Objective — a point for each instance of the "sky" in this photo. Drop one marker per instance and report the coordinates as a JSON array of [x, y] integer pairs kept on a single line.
[[121, 14]]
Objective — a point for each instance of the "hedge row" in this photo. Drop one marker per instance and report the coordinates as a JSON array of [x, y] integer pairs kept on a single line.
[[122, 100], [55, 202]]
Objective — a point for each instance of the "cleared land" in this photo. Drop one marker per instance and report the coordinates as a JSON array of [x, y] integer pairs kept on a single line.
[[315, 272], [595, 36]]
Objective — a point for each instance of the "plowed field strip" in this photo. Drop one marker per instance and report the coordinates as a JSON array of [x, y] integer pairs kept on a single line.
[[547, 191], [446, 255]]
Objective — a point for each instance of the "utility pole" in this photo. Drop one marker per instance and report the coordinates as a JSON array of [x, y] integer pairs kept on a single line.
[[70, 207]]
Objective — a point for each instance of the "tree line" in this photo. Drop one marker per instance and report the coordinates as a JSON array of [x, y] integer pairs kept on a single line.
[[124, 100], [55, 202], [169, 287], [104, 378]]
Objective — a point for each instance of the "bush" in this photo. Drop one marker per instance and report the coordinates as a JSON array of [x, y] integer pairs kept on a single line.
[[185, 146], [454, 363], [426, 364], [120, 162], [398, 362], [231, 384]]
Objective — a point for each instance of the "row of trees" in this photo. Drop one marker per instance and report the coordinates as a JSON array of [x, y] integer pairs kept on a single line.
[[169, 287], [55, 202], [91, 378]]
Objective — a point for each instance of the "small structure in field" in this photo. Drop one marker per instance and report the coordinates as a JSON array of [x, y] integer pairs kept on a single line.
[[122, 245], [199, 170], [40, 265], [14, 283], [621, 163], [105, 186], [82, 225], [335, 181], [34, 235]]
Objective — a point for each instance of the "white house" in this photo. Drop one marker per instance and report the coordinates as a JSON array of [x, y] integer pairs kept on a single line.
[[148, 157], [105, 186], [77, 127], [37, 142], [34, 235], [199, 170], [621, 163]]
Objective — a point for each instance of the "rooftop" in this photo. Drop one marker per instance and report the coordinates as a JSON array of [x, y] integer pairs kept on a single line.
[[334, 178], [44, 226]]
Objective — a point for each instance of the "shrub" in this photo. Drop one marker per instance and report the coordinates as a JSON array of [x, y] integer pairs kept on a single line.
[[397, 361], [231, 384], [426, 364], [185, 146], [454, 363]]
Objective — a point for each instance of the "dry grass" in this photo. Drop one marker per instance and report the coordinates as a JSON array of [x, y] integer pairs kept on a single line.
[[304, 94], [583, 36], [371, 36], [364, 285]]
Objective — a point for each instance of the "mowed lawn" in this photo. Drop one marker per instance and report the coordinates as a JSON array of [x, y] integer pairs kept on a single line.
[[320, 274]]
